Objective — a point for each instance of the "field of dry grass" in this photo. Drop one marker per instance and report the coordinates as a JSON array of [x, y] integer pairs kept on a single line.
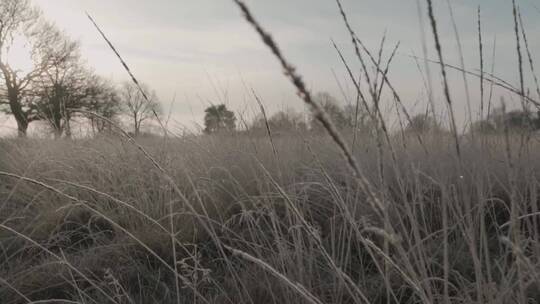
[[225, 220]]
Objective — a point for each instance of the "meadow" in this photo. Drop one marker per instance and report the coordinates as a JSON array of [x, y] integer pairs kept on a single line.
[[207, 220], [333, 216]]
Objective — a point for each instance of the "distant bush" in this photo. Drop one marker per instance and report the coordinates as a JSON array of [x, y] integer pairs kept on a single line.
[[280, 122], [513, 121], [423, 123]]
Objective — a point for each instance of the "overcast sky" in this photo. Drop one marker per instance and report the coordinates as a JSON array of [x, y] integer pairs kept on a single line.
[[202, 51]]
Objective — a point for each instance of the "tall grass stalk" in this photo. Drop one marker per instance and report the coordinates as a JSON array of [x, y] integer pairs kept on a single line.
[[446, 87]]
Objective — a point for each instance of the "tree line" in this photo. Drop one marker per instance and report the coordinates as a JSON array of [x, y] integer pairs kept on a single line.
[[218, 119], [59, 88]]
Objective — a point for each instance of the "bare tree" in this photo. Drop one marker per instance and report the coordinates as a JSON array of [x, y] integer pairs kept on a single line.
[[104, 100], [67, 89], [63, 85], [423, 123], [17, 18], [57, 86], [136, 106], [331, 106], [281, 122], [51, 53]]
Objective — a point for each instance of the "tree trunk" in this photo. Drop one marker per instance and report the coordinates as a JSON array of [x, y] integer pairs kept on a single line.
[[17, 111], [22, 128], [56, 121], [15, 106], [56, 113], [67, 126], [137, 126]]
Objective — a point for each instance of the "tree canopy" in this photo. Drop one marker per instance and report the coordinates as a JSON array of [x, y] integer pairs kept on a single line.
[[218, 118], [58, 87], [513, 121], [136, 106]]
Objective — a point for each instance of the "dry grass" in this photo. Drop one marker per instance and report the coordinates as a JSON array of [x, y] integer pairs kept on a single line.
[[101, 211]]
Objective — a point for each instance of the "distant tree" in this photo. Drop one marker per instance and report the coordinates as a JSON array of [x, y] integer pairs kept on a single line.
[[518, 120], [332, 108], [22, 90], [68, 90], [289, 120], [484, 127], [63, 88], [514, 121], [104, 100], [363, 121], [136, 106], [18, 18], [218, 118], [281, 122], [422, 123]]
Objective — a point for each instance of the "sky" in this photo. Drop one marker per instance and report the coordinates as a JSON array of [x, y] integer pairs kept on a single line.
[[197, 53]]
